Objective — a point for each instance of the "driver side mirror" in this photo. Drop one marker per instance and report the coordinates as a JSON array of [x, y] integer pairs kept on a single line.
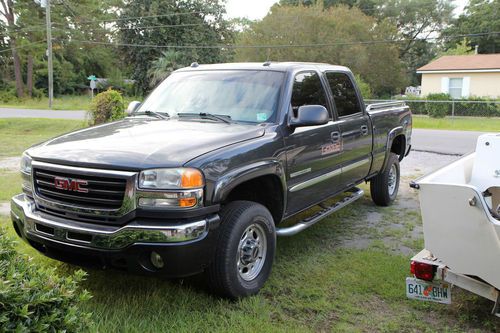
[[310, 115], [132, 107]]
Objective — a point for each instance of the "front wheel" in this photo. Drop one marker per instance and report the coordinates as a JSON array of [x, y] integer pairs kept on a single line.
[[245, 250], [384, 187]]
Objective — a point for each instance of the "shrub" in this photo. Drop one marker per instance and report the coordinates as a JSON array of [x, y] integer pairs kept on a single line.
[[107, 106], [35, 299], [364, 87], [437, 110]]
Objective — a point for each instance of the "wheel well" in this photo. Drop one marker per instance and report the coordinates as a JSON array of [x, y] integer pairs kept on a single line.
[[399, 146], [266, 190]]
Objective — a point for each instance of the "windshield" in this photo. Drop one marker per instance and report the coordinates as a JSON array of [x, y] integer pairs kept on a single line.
[[248, 96]]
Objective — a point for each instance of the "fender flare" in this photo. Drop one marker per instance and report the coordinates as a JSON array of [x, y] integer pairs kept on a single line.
[[395, 132], [226, 183]]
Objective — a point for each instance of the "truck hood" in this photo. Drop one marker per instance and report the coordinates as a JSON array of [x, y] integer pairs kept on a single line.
[[142, 143]]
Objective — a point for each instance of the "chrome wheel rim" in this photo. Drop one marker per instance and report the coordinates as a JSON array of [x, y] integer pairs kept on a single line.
[[252, 251], [392, 182]]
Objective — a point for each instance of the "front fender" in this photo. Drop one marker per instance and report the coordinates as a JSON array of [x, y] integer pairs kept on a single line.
[[226, 183]]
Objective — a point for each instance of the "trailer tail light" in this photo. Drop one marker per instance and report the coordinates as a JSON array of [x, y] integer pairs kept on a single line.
[[422, 270]]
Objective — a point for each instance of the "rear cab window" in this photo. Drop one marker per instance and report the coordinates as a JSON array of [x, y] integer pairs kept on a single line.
[[345, 97]]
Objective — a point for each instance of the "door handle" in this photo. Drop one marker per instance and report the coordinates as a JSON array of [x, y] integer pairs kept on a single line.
[[364, 130], [335, 136]]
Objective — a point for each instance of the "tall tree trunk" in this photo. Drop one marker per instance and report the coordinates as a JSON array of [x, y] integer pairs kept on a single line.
[[29, 79], [17, 69], [8, 12]]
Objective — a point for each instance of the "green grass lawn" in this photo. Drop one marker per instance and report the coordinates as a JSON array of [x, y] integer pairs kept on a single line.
[[346, 273], [458, 123], [10, 184], [17, 134], [318, 284], [70, 102]]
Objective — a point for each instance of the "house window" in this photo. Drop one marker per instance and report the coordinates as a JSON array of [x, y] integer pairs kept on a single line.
[[455, 88]]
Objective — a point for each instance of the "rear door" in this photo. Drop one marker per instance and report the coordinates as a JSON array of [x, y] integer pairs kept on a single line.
[[355, 127], [313, 168]]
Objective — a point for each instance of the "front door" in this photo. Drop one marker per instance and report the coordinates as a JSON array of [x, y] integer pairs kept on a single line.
[[355, 128], [313, 166]]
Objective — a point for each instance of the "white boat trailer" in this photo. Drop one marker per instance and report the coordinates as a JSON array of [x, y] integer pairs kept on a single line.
[[460, 205]]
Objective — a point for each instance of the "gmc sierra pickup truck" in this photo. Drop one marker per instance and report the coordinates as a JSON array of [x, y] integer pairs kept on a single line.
[[201, 176]]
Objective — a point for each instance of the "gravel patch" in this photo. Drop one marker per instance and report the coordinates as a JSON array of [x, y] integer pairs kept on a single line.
[[5, 208], [10, 163]]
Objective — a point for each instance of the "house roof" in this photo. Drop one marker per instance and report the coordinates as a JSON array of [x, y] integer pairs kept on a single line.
[[475, 63]]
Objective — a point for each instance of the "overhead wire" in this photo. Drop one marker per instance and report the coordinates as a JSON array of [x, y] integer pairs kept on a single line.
[[275, 46]]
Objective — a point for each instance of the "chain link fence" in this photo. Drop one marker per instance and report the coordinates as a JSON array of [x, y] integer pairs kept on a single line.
[[458, 108]]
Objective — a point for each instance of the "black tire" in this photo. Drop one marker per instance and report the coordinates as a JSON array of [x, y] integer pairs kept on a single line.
[[225, 273], [382, 194]]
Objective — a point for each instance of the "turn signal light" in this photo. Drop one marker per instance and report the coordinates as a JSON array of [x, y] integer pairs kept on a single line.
[[422, 270], [187, 202], [191, 178]]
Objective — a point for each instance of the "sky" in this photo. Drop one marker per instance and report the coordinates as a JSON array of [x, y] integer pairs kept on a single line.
[[257, 9]]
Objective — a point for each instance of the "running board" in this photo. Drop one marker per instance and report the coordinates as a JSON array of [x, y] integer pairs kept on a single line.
[[325, 212]]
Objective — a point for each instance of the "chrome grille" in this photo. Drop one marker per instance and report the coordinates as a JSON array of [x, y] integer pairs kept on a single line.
[[102, 192]]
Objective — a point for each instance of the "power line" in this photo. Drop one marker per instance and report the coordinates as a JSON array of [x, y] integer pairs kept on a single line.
[[23, 46], [144, 27], [140, 17], [283, 46]]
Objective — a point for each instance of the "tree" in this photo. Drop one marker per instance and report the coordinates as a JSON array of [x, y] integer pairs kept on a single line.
[[7, 10], [461, 48], [366, 6], [352, 39], [415, 21], [164, 66], [479, 17], [189, 23]]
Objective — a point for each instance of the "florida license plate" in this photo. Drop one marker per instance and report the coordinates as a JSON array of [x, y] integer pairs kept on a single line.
[[428, 291]]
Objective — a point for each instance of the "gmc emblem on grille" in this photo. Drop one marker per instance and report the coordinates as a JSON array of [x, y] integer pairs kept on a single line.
[[68, 184]]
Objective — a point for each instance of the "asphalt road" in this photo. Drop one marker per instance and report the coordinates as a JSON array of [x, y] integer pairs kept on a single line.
[[444, 142], [25, 113], [424, 140]]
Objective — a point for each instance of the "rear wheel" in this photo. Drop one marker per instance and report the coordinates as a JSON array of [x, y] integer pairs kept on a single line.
[[384, 187], [245, 250]]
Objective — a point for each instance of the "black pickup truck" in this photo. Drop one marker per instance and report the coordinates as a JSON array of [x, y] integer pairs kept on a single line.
[[201, 176]]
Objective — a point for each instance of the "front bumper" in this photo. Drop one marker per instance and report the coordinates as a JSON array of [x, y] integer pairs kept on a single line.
[[186, 246]]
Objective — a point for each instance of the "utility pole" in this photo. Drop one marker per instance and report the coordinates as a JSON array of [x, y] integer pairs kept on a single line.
[[49, 53]]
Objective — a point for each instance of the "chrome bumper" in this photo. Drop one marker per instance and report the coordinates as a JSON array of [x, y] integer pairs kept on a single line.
[[34, 222]]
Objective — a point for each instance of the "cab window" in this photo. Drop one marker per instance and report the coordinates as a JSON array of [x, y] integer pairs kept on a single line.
[[307, 90], [344, 94]]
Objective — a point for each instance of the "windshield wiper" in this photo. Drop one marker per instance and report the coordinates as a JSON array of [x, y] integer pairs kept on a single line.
[[154, 114], [224, 118]]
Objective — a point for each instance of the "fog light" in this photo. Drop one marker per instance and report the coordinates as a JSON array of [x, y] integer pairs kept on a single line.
[[156, 260]]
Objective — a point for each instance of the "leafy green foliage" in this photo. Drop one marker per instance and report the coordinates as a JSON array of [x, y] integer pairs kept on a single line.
[[461, 48], [480, 16], [339, 26], [438, 110], [204, 26], [107, 106], [364, 87], [35, 299], [164, 66]]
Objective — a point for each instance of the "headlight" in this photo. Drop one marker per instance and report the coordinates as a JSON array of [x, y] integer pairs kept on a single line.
[[171, 179], [26, 174], [26, 164], [174, 188]]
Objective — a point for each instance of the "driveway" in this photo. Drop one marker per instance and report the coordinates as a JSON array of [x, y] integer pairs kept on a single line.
[[28, 113]]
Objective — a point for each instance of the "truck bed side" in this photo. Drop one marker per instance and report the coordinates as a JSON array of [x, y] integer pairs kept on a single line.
[[392, 126]]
